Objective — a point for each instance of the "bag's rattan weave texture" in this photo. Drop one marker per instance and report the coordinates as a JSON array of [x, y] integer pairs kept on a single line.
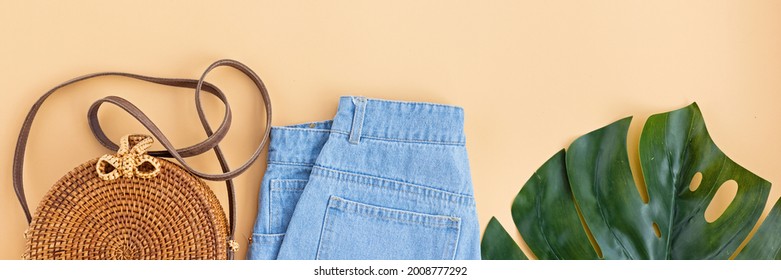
[[172, 216]]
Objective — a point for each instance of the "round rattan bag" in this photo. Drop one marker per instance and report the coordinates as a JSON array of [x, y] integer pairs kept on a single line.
[[128, 206], [131, 204]]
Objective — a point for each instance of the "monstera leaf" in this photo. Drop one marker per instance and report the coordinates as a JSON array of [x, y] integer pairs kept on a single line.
[[588, 190]]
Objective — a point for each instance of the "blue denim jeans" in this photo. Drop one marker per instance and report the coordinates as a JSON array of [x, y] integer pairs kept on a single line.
[[383, 180]]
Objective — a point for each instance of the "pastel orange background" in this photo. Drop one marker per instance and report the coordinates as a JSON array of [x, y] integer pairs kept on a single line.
[[531, 76]]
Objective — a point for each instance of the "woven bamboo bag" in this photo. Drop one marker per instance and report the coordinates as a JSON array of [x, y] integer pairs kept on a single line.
[[133, 204]]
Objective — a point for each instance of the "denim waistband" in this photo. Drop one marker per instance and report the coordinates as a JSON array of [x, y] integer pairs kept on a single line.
[[360, 117], [298, 144], [418, 122]]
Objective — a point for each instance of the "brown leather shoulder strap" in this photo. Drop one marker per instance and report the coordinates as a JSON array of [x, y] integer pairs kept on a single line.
[[211, 142]]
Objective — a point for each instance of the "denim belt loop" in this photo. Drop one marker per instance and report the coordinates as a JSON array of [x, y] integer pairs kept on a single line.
[[357, 126]]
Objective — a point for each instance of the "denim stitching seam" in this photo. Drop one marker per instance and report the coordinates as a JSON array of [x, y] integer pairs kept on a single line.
[[323, 229], [289, 163], [393, 214], [416, 141], [271, 203], [287, 181], [321, 130], [267, 238], [287, 189], [417, 103], [428, 191], [425, 191], [458, 239]]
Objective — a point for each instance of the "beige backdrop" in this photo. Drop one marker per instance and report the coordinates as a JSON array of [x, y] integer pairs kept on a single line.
[[531, 75]]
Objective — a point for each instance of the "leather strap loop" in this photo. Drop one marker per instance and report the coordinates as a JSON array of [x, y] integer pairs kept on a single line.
[[194, 150], [199, 148]]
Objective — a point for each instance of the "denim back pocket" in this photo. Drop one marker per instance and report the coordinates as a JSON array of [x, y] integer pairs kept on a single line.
[[284, 197], [358, 231]]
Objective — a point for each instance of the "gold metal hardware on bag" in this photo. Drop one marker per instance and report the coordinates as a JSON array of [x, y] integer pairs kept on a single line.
[[233, 245]]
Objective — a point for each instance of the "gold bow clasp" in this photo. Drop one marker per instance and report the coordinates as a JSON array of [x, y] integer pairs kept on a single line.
[[130, 160]]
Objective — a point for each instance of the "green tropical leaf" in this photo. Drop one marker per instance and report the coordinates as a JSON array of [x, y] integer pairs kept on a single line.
[[674, 147], [766, 243], [498, 245], [546, 215], [590, 188]]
